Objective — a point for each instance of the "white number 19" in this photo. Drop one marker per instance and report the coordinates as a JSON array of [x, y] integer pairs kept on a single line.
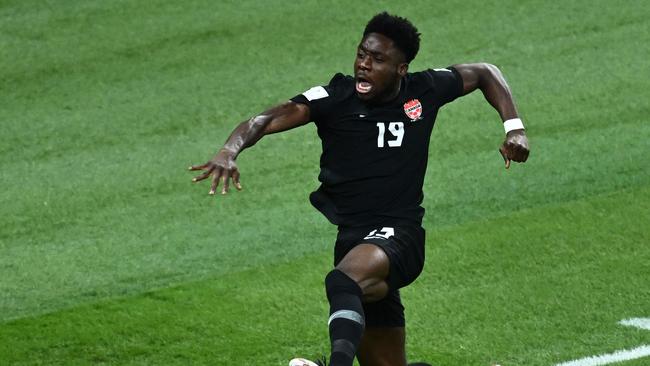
[[395, 128]]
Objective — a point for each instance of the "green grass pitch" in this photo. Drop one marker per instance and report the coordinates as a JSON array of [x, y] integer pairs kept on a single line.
[[110, 256]]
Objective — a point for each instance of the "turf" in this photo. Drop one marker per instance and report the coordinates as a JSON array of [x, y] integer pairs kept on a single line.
[[108, 255]]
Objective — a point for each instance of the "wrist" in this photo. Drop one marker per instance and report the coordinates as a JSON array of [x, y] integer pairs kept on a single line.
[[228, 151], [513, 124]]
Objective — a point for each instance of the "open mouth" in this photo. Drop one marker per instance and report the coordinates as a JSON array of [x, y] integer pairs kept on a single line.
[[363, 86]]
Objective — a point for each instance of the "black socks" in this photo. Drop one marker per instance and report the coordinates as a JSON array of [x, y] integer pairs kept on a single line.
[[346, 317]]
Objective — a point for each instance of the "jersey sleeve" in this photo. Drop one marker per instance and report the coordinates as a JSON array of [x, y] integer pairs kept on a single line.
[[320, 99], [446, 83]]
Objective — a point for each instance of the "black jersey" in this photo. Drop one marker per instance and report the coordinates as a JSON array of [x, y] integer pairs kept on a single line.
[[375, 156]]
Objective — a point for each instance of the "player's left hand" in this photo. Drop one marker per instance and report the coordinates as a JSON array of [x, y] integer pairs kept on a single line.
[[515, 147]]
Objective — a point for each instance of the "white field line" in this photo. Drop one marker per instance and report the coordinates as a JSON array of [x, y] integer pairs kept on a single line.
[[643, 323], [617, 356]]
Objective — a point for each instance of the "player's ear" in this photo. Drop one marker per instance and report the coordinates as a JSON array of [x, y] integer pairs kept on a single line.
[[402, 69]]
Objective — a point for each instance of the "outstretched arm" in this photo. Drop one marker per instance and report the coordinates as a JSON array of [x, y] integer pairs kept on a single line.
[[490, 81], [222, 167]]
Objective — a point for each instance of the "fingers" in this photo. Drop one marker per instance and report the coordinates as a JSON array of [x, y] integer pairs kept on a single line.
[[235, 179], [198, 167], [518, 153], [524, 155], [504, 154], [515, 147], [202, 176], [226, 181], [225, 178], [214, 184], [218, 174], [513, 152]]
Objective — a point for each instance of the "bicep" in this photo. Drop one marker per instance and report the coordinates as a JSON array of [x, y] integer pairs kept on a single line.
[[287, 116], [471, 75]]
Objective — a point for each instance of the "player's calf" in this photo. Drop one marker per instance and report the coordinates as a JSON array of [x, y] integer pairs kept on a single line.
[[346, 319]]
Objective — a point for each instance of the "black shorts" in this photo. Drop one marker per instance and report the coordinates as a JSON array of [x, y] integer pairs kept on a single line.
[[404, 246]]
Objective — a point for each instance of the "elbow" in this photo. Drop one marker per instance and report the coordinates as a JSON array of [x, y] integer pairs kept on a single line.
[[487, 74], [488, 69], [485, 66], [258, 122], [262, 120], [491, 67]]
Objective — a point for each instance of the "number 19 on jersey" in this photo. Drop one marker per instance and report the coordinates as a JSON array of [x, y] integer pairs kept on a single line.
[[395, 128]]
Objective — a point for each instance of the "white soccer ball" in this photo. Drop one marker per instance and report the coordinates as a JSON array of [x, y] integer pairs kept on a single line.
[[301, 362]]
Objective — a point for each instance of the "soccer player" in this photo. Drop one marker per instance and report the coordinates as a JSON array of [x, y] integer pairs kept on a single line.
[[375, 128]]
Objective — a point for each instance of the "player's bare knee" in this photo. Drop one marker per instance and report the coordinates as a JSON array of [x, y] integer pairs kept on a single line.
[[373, 288], [374, 291]]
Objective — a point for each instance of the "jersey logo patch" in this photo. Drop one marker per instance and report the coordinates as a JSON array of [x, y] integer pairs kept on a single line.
[[413, 109], [317, 92]]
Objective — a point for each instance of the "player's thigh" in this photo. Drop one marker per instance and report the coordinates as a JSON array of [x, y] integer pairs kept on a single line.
[[382, 346], [403, 246], [368, 265]]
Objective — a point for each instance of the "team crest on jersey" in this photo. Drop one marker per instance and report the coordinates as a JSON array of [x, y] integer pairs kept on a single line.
[[413, 109]]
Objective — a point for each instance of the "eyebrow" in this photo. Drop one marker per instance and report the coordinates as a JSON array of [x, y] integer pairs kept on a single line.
[[374, 53]]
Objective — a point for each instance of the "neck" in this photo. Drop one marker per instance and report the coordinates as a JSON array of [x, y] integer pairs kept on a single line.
[[390, 95]]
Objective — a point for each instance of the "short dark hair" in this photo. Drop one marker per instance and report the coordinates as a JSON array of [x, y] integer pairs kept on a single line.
[[403, 33]]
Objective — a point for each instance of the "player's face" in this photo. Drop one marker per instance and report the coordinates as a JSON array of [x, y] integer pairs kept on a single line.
[[378, 68]]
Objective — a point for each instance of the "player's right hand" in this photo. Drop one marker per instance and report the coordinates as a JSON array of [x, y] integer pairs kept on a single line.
[[221, 168]]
